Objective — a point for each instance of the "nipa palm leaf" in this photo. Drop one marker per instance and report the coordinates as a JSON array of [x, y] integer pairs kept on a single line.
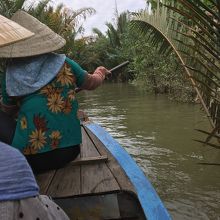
[[192, 30]]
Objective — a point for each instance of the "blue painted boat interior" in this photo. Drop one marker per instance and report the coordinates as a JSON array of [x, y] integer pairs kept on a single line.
[[148, 197]]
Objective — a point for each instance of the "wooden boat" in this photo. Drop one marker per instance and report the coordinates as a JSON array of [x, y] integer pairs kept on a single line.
[[103, 183]]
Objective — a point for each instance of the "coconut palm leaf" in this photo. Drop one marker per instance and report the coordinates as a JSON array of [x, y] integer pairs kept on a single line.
[[191, 29], [210, 134], [182, 23], [199, 39], [195, 20], [212, 69], [209, 164], [209, 144], [198, 9], [209, 78]]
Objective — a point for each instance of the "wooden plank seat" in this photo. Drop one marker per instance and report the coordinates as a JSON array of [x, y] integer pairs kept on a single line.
[[93, 186], [89, 160], [95, 171]]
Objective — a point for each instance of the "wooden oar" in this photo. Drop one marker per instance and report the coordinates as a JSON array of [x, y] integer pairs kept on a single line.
[[114, 69], [119, 66]]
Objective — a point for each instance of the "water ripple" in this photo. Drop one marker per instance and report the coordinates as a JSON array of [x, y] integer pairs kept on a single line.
[[158, 135]]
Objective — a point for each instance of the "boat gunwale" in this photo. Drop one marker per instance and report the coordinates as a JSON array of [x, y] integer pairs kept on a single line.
[[154, 209]]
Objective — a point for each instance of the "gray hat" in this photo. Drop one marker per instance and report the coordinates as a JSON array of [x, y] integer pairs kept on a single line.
[[44, 41]]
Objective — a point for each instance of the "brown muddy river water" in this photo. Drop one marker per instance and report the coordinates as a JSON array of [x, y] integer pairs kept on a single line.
[[159, 134]]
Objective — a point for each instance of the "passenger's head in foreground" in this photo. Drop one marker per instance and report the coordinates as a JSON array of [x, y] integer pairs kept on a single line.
[[19, 192]]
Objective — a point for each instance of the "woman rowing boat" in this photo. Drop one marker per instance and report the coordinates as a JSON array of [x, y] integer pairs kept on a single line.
[[40, 85]]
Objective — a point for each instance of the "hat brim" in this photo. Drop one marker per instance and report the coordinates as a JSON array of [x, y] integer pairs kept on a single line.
[[11, 32], [44, 41]]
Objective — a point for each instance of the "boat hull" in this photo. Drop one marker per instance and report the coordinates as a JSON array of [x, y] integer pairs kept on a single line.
[[104, 182]]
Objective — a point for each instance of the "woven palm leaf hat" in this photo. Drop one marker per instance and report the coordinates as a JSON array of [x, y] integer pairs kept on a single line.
[[11, 32], [44, 41]]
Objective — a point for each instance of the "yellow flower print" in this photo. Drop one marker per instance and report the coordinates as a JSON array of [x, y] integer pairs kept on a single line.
[[65, 77], [37, 139], [55, 135], [67, 107], [71, 94], [23, 122], [50, 90], [46, 90], [55, 103], [29, 150]]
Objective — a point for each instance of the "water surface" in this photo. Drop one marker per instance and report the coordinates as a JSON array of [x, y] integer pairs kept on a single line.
[[159, 135]]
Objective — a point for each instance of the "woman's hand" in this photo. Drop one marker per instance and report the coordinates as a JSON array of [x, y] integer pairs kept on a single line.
[[103, 70]]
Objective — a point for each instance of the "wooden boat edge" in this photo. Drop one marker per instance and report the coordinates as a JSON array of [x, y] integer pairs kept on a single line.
[[145, 191]]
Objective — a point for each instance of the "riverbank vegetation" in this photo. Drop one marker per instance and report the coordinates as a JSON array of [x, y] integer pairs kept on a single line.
[[191, 30], [149, 69], [173, 46]]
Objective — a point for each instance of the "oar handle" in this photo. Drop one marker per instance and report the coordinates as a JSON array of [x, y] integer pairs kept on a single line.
[[111, 70], [119, 66]]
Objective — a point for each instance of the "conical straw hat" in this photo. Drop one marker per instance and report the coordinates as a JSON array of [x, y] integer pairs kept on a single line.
[[44, 41], [11, 32]]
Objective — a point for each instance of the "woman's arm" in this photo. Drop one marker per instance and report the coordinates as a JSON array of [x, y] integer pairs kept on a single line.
[[92, 81], [87, 81]]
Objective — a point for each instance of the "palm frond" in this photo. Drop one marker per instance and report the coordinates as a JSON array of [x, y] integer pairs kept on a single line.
[[113, 35], [98, 32], [9, 7], [38, 11], [190, 29], [209, 144]]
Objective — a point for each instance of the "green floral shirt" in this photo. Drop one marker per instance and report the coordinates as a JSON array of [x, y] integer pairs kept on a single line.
[[48, 119]]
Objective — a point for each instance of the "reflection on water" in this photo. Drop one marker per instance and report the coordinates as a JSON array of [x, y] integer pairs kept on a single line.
[[159, 135]]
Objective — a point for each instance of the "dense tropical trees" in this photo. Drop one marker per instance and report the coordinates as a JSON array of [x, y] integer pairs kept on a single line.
[[153, 71], [107, 49], [185, 32], [9, 7], [62, 20], [66, 22]]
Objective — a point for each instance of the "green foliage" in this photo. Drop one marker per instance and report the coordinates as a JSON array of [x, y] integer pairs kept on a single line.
[[156, 72], [150, 70], [92, 54], [185, 32], [106, 50], [119, 44], [191, 30], [9, 7], [62, 20]]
